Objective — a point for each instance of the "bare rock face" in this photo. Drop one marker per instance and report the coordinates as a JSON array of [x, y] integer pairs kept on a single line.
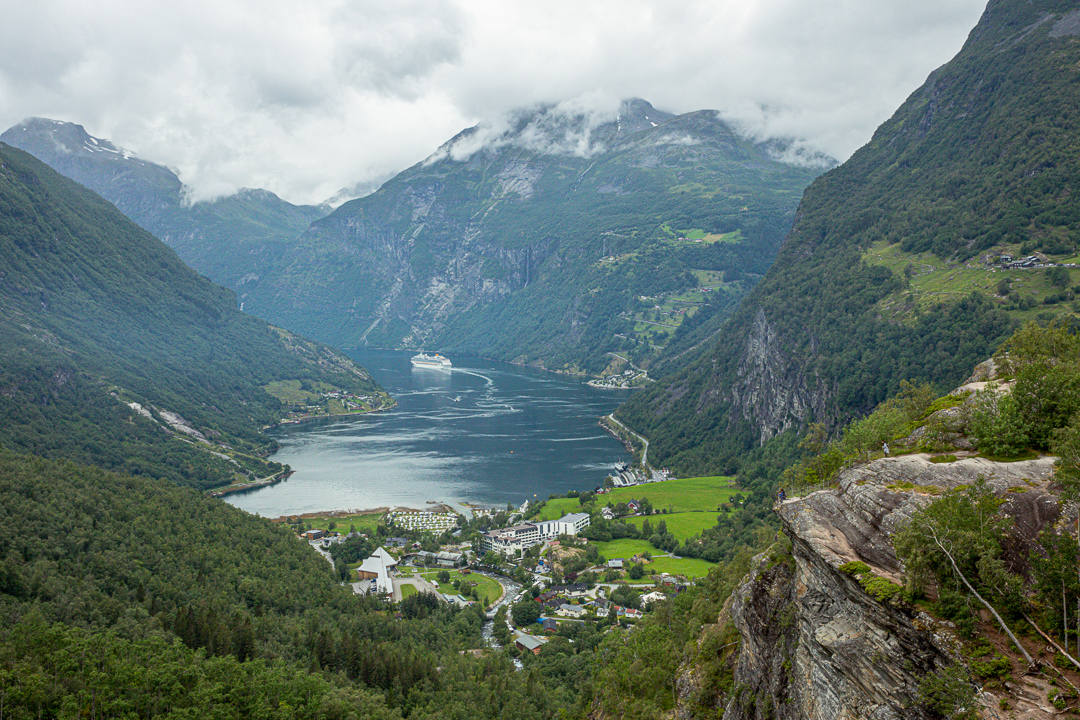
[[774, 391], [815, 645]]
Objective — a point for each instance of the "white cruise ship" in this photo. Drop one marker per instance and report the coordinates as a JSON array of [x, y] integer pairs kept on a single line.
[[435, 362]]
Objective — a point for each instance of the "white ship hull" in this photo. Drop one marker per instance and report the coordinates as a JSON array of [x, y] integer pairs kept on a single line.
[[431, 362]]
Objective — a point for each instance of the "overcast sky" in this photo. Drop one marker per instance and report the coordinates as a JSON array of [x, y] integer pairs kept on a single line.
[[304, 98]]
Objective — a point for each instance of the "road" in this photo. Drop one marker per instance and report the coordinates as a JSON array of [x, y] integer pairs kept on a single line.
[[644, 453]]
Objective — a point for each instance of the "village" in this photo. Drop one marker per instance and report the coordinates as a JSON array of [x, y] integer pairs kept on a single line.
[[321, 400], [532, 568]]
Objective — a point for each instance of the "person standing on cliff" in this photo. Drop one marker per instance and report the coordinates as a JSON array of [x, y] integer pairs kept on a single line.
[[885, 448]]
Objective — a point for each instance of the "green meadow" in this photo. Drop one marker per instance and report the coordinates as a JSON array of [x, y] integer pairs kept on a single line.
[[555, 509], [363, 522], [625, 548], [690, 567], [700, 494], [682, 525]]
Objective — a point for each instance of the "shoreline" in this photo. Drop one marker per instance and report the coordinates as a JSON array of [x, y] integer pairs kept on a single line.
[[298, 421], [438, 508], [481, 357], [230, 489]]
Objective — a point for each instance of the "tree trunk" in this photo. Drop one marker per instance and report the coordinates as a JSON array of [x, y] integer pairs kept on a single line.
[[988, 606], [1050, 640]]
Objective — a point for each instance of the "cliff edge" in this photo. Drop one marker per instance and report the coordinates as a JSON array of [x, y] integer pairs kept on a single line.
[[817, 645]]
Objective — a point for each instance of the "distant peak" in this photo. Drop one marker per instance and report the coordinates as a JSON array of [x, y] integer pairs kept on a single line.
[[61, 137], [582, 127]]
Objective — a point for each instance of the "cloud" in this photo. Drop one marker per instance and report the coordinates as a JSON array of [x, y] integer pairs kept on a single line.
[[307, 98]]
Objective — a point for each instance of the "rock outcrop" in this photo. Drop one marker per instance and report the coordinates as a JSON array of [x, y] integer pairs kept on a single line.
[[816, 645], [773, 390]]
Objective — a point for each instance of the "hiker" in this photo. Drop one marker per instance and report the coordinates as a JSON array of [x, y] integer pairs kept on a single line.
[[781, 495], [885, 448]]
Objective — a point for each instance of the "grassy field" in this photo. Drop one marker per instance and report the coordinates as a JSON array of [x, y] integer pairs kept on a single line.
[[682, 525], [690, 567], [364, 522], [701, 494], [555, 509], [290, 392], [487, 590], [407, 590], [625, 548], [934, 280]]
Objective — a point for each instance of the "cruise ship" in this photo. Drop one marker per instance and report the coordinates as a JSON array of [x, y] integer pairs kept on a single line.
[[435, 362]]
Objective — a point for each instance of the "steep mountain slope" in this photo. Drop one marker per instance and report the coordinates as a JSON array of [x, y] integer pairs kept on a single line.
[[549, 241], [228, 240], [981, 157], [116, 353]]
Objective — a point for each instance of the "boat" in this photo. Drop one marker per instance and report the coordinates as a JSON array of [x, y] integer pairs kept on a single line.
[[435, 362]]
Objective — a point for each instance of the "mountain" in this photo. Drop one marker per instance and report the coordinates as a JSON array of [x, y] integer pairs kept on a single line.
[[892, 270], [556, 239], [115, 353], [230, 240]]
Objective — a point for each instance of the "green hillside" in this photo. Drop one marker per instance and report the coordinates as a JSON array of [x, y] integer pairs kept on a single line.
[[892, 270], [117, 354], [232, 240], [155, 600]]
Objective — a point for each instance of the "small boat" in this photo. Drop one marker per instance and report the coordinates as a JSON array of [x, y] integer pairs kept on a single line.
[[435, 362]]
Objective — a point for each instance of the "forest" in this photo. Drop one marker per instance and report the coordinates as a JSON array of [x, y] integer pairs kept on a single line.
[[123, 595]]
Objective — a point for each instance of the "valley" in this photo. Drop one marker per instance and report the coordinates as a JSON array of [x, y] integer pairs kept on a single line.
[[731, 430]]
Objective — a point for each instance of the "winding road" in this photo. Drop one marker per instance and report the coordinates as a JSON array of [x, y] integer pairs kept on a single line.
[[644, 453]]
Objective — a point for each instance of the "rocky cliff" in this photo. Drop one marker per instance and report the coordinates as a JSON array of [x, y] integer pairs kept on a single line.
[[816, 645]]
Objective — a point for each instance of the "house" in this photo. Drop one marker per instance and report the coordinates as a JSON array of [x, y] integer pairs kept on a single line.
[[576, 590], [567, 610], [654, 596], [631, 613], [607, 513], [315, 534], [549, 624], [546, 596], [528, 643], [615, 564]]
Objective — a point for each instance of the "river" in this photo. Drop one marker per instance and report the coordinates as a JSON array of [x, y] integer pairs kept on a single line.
[[485, 433]]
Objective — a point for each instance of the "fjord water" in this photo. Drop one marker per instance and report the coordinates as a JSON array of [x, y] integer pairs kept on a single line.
[[485, 433]]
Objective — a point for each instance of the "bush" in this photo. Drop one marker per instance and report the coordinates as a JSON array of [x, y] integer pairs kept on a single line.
[[855, 568], [881, 589], [997, 425], [998, 667], [950, 693]]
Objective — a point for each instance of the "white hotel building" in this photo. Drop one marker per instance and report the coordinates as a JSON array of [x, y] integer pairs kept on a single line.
[[512, 540]]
